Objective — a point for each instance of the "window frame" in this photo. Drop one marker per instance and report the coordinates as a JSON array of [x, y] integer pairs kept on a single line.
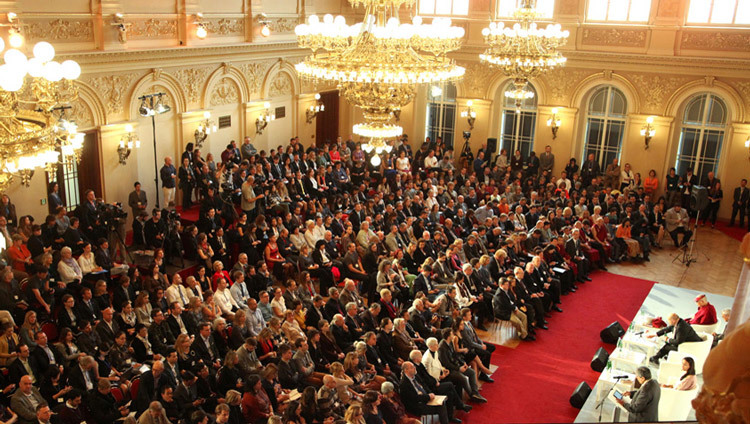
[[708, 22], [447, 131], [518, 140], [705, 129], [606, 120], [453, 14], [626, 21]]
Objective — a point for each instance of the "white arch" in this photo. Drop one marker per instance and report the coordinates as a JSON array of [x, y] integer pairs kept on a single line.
[[727, 93], [586, 87], [280, 66], [91, 99]]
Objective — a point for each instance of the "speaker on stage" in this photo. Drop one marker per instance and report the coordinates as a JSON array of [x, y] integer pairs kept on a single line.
[[578, 398], [698, 198], [600, 360], [613, 332]]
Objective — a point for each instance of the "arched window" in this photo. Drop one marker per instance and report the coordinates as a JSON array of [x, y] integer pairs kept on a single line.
[[605, 124], [518, 123], [441, 113], [702, 133]]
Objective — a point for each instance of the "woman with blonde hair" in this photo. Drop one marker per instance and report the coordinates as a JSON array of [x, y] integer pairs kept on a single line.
[[343, 382], [29, 327], [143, 309], [362, 381], [182, 345], [208, 308], [354, 415]]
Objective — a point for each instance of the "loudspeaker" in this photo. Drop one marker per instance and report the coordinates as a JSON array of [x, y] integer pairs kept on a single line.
[[492, 146], [578, 398], [698, 198], [613, 332], [600, 360]]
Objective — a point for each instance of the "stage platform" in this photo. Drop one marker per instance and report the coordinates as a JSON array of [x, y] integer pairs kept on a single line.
[[661, 301]]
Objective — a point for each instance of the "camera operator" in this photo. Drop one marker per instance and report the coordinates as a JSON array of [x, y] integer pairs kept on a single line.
[[88, 213], [139, 229], [172, 244], [155, 230], [186, 177]]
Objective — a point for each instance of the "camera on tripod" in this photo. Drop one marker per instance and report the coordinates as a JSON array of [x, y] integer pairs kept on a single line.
[[112, 214]]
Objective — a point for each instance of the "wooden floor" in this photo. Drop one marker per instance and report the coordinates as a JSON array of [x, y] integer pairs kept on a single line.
[[717, 269]]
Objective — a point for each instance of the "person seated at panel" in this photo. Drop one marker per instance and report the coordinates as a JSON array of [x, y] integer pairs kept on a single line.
[[706, 314], [680, 331], [688, 381]]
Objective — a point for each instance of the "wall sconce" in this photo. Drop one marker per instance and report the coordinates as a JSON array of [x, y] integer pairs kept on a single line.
[[469, 114], [15, 39], [200, 27], [262, 121], [121, 26], [313, 110], [128, 141], [648, 130], [554, 122], [264, 22], [205, 127], [747, 145]]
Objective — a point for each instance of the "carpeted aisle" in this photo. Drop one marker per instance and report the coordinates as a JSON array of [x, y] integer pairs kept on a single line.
[[735, 232], [535, 380]]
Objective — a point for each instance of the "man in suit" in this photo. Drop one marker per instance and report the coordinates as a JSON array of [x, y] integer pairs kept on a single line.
[[415, 397], [103, 406], [546, 160], [333, 305], [124, 293], [248, 359], [574, 249], [644, 404], [186, 395], [82, 376], [289, 377], [505, 308], [137, 199], [740, 200], [204, 347], [423, 283], [26, 400], [107, 327], [151, 382], [589, 170], [21, 367], [177, 322], [680, 331], [352, 322], [341, 333], [42, 356], [457, 367], [472, 341], [433, 385]]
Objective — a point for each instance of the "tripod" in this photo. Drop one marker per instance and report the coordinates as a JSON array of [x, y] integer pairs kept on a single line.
[[687, 256], [116, 240]]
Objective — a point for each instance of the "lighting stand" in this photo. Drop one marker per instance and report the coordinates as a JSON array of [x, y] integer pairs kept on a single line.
[[687, 256], [151, 105]]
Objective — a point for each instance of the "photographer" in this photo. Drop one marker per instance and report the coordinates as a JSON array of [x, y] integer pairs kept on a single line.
[[155, 230], [172, 239], [186, 177]]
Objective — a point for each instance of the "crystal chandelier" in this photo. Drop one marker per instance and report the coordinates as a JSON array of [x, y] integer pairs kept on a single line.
[[33, 126], [379, 62], [524, 50]]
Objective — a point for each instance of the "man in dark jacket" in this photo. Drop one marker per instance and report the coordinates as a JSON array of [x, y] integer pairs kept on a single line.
[[416, 397], [644, 406], [680, 331]]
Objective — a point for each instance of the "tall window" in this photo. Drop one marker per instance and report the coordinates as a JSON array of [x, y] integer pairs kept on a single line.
[[441, 113], [618, 10], [517, 124], [701, 136], [605, 124], [444, 7], [505, 8], [719, 12], [66, 178]]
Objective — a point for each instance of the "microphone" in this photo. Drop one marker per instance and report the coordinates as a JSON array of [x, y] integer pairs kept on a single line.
[[619, 377], [640, 332]]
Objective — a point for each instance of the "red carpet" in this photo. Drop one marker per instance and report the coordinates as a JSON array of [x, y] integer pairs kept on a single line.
[[734, 232], [535, 380]]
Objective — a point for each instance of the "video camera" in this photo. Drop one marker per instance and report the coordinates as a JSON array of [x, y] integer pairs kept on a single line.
[[111, 214]]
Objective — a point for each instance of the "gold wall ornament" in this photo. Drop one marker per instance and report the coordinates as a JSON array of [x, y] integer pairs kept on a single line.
[[225, 26], [655, 90], [59, 29], [282, 25], [281, 85], [560, 84], [153, 28], [615, 37], [193, 80], [111, 89], [714, 40], [254, 73], [81, 114], [476, 79], [225, 92]]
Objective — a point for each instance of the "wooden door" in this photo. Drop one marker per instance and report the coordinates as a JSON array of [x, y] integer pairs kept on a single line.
[[327, 121]]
